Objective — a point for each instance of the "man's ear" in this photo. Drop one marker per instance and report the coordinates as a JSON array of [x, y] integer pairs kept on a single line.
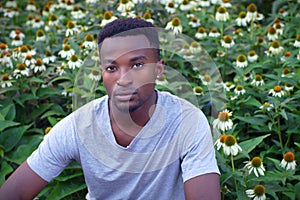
[[160, 68]]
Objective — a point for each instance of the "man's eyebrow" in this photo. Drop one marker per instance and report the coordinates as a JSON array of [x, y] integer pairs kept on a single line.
[[141, 57], [112, 61]]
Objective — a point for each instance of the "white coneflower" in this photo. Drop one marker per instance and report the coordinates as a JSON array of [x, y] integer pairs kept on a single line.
[[286, 72], [66, 51], [222, 14], [276, 91], [256, 166], [251, 12], [286, 55], [74, 62], [6, 60], [95, 75], [241, 61], [171, 7], [194, 22], [267, 106], [247, 76], [288, 162], [6, 81], [220, 142], [107, 18], [53, 20], [174, 25], [297, 41], [125, 5], [187, 5], [23, 51], [228, 86], [198, 91], [216, 2], [17, 41], [11, 4], [252, 56], [283, 12], [15, 33], [77, 13], [147, 17], [279, 28], [10, 13], [49, 58], [3, 48], [275, 48], [204, 3], [241, 20], [30, 20], [195, 47], [28, 60], [258, 80], [38, 66], [40, 35], [226, 4], [239, 90], [201, 33], [288, 87], [37, 23], [230, 146], [220, 53], [206, 79], [72, 29], [161, 80], [272, 33], [223, 122], [258, 193], [21, 70], [89, 42], [227, 41], [60, 70], [214, 33]]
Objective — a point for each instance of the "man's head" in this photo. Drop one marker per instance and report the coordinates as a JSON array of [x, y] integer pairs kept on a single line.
[[130, 26], [130, 63]]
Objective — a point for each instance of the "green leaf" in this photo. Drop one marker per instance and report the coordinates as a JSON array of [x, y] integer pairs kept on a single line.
[[10, 137], [47, 92], [256, 120], [66, 177], [4, 170], [283, 114], [249, 145], [64, 189], [6, 124], [21, 154], [9, 112], [297, 188]]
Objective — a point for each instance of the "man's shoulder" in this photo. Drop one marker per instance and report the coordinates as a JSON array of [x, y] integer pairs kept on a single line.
[[170, 100]]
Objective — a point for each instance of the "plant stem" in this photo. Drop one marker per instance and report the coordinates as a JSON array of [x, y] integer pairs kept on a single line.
[[278, 123], [233, 169]]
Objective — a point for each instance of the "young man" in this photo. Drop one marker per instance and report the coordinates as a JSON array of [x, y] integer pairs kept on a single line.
[[133, 143]]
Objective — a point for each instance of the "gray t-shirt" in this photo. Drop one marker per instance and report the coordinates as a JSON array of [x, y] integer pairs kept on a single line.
[[174, 146]]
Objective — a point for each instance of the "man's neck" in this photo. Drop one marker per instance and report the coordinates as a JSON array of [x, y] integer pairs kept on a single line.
[[132, 122]]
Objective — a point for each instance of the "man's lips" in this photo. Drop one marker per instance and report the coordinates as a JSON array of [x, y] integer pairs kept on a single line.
[[125, 95]]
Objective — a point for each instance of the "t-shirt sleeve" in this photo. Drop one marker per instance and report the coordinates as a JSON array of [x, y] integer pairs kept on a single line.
[[55, 152], [199, 155]]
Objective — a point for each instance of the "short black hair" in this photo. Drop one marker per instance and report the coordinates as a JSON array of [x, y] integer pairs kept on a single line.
[[130, 26]]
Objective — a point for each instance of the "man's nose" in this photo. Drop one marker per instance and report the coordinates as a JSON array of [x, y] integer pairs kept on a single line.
[[125, 78]]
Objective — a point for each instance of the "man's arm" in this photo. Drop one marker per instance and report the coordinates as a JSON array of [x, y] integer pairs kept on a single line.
[[203, 187], [24, 183]]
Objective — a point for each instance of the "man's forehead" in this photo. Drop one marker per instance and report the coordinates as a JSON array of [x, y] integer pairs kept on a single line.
[[121, 45]]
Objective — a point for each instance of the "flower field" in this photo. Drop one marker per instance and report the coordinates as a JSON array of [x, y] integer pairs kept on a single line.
[[238, 61]]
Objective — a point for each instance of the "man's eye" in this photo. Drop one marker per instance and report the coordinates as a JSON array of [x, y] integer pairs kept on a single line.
[[110, 68], [138, 65]]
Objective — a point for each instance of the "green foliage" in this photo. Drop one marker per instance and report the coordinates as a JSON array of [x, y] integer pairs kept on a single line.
[[265, 122]]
